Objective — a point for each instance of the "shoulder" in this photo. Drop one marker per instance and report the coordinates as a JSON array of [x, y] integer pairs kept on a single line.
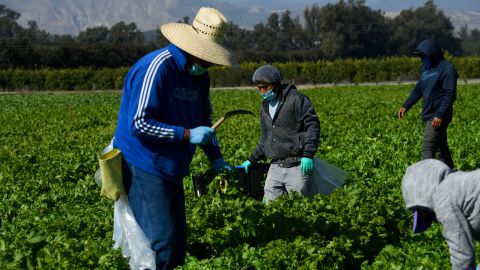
[[299, 97], [154, 60], [447, 67], [291, 91]]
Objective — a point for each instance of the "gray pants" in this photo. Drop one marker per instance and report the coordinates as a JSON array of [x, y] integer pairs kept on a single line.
[[435, 140], [281, 181]]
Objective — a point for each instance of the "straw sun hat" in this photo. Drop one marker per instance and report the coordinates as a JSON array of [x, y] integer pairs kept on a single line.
[[201, 39]]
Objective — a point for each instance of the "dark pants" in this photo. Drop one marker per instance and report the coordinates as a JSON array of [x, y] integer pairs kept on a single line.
[[159, 208], [435, 140]]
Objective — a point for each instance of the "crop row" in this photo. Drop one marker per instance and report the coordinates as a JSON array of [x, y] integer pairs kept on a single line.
[[53, 217]]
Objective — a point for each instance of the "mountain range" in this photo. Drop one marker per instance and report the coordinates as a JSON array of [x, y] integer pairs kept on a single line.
[[73, 16]]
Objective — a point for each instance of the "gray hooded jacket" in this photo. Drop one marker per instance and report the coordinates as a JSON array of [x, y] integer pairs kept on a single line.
[[455, 199]]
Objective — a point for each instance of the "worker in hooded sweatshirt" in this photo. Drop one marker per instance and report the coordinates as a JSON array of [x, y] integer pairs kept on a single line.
[[437, 86], [433, 193]]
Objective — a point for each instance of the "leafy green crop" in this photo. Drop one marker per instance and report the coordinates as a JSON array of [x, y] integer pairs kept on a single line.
[[52, 216]]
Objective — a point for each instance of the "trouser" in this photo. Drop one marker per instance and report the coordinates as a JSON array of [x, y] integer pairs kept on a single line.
[[159, 208], [281, 181], [435, 140]]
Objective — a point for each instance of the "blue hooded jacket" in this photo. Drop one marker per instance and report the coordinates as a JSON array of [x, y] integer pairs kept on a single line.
[[160, 99], [437, 84]]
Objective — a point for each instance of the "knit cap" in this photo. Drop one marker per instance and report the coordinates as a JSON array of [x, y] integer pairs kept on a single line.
[[267, 74]]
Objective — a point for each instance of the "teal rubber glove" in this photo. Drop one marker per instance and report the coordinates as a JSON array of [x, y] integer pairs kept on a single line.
[[306, 165], [219, 164], [201, 135], [246, 164]]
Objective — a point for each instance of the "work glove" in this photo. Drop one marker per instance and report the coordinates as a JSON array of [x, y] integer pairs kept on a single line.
[[246, 164], [306, 165], [201, 135], [219, 164]]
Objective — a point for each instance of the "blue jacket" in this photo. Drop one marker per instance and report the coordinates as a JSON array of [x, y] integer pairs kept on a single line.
[[160, 99], [436, 85]]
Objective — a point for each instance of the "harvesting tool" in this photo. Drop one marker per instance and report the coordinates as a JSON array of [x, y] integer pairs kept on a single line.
[[228, 115]]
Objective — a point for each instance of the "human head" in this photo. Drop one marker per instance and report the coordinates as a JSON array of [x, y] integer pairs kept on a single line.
[[267, 78], [430, 52], [202, 38], [418, 186]]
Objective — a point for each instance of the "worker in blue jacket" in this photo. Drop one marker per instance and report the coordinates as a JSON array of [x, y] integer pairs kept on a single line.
[[165, 112], [437, 86]]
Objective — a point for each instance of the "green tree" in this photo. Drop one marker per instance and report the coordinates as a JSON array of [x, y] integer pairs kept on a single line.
[[122, 33], [98, 34], [237, 39], [9, 28], [414, 25], [470, 41], [291, 36], [15, 47], [350, 29], [312, 26]]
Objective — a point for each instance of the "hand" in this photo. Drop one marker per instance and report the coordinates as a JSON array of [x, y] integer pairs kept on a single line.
[[306, 165], [219, 164], [401, 112], [201, 135], [246, 164], [436, 122]]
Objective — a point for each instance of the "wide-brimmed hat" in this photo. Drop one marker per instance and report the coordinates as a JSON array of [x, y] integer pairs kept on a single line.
[[201, 38], [422, 219]]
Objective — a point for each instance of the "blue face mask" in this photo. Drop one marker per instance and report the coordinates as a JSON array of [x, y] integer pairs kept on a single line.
[[426, 62], [270, 95], [197, 70]]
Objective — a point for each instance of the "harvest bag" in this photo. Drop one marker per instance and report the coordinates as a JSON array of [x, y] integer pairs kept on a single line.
[[111, 171], [326, 177]]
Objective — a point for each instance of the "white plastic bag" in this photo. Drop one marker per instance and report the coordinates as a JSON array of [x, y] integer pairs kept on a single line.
[[326, 177], [128, 236]]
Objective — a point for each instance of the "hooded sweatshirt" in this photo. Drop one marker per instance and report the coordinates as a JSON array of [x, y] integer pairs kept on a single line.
[[437, 85], [455, 200]]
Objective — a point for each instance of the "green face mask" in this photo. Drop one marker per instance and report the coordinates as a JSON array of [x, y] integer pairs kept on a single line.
[[197, 70]]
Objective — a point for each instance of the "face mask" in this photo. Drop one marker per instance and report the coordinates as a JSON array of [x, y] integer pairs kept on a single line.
[[426, 62], [270, 95], [197, 70]]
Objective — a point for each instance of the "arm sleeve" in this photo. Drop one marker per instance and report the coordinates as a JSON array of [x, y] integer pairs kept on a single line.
[[415, 96], [145, 107], [310, 121], [457, 233], [259, 153], [212, 148], [449, 87]]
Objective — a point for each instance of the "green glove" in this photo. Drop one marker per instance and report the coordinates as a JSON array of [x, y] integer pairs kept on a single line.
[[306, 165], [246, 164]]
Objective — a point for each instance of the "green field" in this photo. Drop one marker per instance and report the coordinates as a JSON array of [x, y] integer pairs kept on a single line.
[[52, 216]]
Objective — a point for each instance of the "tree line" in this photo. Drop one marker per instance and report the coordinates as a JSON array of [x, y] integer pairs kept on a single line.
[[347, 29]]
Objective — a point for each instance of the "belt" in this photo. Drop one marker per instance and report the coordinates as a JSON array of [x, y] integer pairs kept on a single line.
[[287, 162]]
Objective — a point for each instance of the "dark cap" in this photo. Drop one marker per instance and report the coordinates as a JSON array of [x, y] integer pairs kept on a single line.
[[267, 74]]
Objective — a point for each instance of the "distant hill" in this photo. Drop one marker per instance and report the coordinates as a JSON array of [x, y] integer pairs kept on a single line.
[[73, 16]]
